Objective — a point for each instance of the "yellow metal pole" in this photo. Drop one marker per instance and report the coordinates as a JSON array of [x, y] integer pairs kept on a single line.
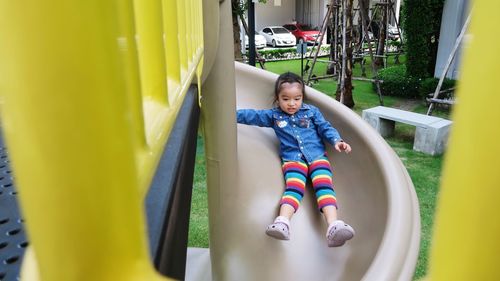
[[199, 24], [189, 24], [128, 50], [149, 26], [466, 243], [172, 55], [181, 37]]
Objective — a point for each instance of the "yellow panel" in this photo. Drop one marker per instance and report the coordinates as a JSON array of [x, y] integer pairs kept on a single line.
[[466, 244], [71, 138]]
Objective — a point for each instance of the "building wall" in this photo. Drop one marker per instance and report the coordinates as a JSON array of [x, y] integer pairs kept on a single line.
[[311, 12], [455, 13], [267, 14]]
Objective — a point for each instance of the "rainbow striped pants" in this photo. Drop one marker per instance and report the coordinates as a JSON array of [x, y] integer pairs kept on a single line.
[[296, 175]]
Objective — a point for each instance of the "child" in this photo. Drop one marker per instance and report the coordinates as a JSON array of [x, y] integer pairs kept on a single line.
[[300, 128]]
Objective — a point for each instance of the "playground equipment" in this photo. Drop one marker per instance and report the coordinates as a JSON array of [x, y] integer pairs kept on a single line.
[[87, 123], [378, 199]]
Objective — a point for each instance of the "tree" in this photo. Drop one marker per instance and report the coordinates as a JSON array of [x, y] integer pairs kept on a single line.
[[382, 30], [417, 18], [344, 90], [422, 24], [239, 8], [436, 9]]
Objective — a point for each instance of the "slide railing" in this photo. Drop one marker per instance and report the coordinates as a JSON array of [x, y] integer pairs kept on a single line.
[[90, 93]]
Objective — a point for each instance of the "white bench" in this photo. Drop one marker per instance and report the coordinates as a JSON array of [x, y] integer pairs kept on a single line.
[[430, 136]]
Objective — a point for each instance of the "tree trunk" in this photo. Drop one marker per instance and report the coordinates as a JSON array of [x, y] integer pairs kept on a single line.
[[364, 6], [344, 92], [236, 31], [379, 60], [365, 9], [333, 35]]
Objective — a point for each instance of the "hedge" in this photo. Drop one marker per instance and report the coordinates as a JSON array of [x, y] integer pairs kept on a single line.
[[397, 82], [291, 53], [428, 85]]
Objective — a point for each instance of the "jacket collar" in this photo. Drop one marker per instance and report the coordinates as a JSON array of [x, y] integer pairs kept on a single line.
[[302, 108]]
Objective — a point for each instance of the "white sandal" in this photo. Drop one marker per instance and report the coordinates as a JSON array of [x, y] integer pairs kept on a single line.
[[338, 233], [279, 229]]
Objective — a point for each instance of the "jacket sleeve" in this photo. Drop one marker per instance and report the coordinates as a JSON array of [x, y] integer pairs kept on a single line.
[[325, 129], [261, 118]]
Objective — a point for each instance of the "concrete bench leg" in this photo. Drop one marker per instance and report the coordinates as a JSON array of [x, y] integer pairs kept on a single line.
[[432, 140], [384, 127]]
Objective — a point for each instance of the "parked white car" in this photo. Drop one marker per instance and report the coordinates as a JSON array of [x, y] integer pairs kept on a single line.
[[260, 41], [393, 32], [278, 36]]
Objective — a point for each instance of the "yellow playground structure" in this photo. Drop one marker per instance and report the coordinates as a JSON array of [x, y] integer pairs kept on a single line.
[[101, 102]]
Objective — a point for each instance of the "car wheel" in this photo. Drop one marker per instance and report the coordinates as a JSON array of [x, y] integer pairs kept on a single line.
[[274, 44], [301, 41]]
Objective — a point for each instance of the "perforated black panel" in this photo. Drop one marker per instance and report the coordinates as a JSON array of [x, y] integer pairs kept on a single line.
[[12, 235]]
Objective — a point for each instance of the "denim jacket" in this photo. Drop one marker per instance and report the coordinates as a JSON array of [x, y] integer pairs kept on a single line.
[[300, 134]]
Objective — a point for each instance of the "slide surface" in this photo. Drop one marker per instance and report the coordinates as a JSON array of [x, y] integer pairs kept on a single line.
[[374, 193]]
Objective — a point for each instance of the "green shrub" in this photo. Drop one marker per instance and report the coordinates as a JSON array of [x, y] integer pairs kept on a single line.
[[277, 53], [291, 53], [397, 83], [429, 85]]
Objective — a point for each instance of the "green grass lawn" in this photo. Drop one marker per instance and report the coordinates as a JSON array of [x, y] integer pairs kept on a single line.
[[198, 222], [424, 170]]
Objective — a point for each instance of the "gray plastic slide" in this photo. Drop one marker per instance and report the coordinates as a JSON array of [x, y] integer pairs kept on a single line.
[[374, 192]]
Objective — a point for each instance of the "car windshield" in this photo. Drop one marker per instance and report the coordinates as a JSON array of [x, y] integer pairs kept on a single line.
[[280, 30], [306, 28]]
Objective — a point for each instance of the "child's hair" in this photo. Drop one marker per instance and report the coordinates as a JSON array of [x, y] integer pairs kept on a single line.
[[288, 77]]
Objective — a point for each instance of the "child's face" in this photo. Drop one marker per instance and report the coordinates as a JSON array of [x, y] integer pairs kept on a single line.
[[290, 97]]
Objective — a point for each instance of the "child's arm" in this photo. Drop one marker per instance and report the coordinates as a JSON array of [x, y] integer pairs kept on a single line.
[[328, 132], [261, 118], [325, 129]]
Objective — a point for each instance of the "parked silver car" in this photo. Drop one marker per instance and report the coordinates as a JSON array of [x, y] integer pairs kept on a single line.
[[278, 36]]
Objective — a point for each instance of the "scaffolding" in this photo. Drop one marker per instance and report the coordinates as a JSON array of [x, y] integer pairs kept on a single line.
[[364, 44]]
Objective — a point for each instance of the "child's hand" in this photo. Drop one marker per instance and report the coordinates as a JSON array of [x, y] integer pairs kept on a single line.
[[342, 146]]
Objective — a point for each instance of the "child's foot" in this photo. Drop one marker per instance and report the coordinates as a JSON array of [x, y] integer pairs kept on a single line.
[[338, 233], [279, 229]]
